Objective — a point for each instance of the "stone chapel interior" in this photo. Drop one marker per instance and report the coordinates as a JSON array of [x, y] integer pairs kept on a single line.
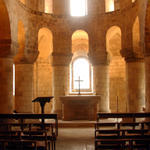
[[46, 45]]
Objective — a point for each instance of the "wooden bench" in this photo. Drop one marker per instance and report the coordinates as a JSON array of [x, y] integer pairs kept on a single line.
[[123, 133], [17, 129]]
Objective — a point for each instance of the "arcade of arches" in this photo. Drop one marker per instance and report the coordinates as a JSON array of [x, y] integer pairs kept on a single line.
[[41, 40]]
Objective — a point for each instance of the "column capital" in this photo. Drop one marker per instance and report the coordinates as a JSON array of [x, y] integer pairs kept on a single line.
[[99, 59], [61, 59], [130, 56], [28, 57]]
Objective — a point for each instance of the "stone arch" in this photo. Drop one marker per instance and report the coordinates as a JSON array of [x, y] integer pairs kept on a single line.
[[80, 42], [136, 37], [113, 41], [43, 68], [80, 49], [5, 32], [6, 64], [45, 44], [116, 70]]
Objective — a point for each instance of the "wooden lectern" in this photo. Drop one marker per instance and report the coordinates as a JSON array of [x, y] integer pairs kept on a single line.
[[42, 101]]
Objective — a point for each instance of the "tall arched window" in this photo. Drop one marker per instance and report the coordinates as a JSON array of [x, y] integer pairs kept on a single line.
[[109, 5], [81, 69], [48, 6], [78, 7]]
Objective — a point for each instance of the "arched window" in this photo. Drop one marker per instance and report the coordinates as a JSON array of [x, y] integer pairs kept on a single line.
[[109, 5], [78, 7], [48, 6], [81, 70]]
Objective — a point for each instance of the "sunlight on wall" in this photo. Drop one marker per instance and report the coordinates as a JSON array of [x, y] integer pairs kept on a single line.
[[109, 5], [78, 7]]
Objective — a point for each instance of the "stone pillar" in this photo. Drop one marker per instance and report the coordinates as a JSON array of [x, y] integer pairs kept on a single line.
[[24, 87], [6, 85], [60, 64], [6, 77], [101, 81], [147, 79], [24, 66], [135, 85], [135, 73]]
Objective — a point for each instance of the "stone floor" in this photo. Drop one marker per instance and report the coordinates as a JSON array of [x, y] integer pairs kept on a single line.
[[75, 139]]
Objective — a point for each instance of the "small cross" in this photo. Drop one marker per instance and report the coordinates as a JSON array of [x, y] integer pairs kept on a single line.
[[79, 83]]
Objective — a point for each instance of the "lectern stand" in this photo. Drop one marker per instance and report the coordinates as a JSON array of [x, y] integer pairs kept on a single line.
[[42, 101]]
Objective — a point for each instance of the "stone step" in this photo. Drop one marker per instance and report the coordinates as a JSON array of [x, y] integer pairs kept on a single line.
[[75, 124]]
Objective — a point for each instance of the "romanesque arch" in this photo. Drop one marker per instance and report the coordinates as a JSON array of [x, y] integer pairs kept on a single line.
[[6, 64], [116, 70], [80, 48], [4, 22], [43, 68]]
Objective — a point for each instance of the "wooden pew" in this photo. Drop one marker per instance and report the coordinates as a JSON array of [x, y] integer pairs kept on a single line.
[[29, 131], [125, 134]]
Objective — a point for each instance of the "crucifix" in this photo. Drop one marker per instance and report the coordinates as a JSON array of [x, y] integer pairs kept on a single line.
[[79, 84]]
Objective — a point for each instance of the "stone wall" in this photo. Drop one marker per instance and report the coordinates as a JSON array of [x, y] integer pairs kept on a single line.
[[62, 26]]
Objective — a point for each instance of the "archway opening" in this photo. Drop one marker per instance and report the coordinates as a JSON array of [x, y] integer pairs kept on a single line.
[[80, 67], [116, 71], [43, 68]]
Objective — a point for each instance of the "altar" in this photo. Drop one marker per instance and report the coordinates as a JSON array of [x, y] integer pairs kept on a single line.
[[79, 107]]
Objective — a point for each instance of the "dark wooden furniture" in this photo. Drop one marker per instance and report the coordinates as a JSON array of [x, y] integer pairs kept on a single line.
[[124, 132], [42, 101], [26, 130]]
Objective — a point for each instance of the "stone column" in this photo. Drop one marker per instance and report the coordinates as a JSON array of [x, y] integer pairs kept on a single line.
[[135, 73], [147, 79], [60, 64], [24, 87], [101, 81], [24, 66], [6, 85], [136, 85], [6, 77]]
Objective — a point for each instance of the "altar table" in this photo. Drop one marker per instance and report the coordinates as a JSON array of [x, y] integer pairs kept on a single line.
[[79, 107]]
